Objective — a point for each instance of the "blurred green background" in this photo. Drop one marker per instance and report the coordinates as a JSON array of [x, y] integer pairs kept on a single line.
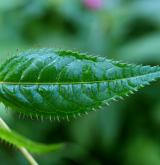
[[125, 133]]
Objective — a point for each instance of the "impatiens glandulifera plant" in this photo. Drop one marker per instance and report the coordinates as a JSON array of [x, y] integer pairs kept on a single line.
[[58, 84]]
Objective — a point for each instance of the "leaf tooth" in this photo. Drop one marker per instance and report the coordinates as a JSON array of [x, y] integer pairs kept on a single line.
[[99, 107], [79, 114], [131, 92], [58, 118], [106, 103], [50, 118], [20, 114], [147, 83], [63, 118], [6, 143], [36, 116], [114, 99], [31, 116], [142, 86], [54, 118], [74, 116], [120, 97], [67, 118], [23, 116], [93, 109], [86, 113], [42, 118], [153, 80], [136, 90], [6, 108]]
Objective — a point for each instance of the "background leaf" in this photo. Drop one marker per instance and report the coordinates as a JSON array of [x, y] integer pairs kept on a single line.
[[20, 141]]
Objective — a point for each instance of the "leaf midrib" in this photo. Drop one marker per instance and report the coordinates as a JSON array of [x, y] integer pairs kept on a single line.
[[82, 82]]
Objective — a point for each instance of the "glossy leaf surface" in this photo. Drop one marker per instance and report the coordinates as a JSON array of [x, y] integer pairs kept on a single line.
[[64, 84]]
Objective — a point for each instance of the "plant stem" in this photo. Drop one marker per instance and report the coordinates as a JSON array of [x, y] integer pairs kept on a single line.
[[26, 154]]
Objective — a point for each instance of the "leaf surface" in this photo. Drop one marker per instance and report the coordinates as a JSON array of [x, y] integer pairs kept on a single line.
[[20, 141], [65, 84]]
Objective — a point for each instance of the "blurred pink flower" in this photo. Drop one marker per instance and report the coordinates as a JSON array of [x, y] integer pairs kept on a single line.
[[93, 4]]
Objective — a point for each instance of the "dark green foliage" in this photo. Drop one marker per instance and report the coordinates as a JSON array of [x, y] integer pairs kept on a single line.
[[124, 133]]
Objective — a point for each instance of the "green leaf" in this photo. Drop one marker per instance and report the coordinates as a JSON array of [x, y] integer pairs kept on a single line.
[[66, 84], [142, 49], [20, 141]]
